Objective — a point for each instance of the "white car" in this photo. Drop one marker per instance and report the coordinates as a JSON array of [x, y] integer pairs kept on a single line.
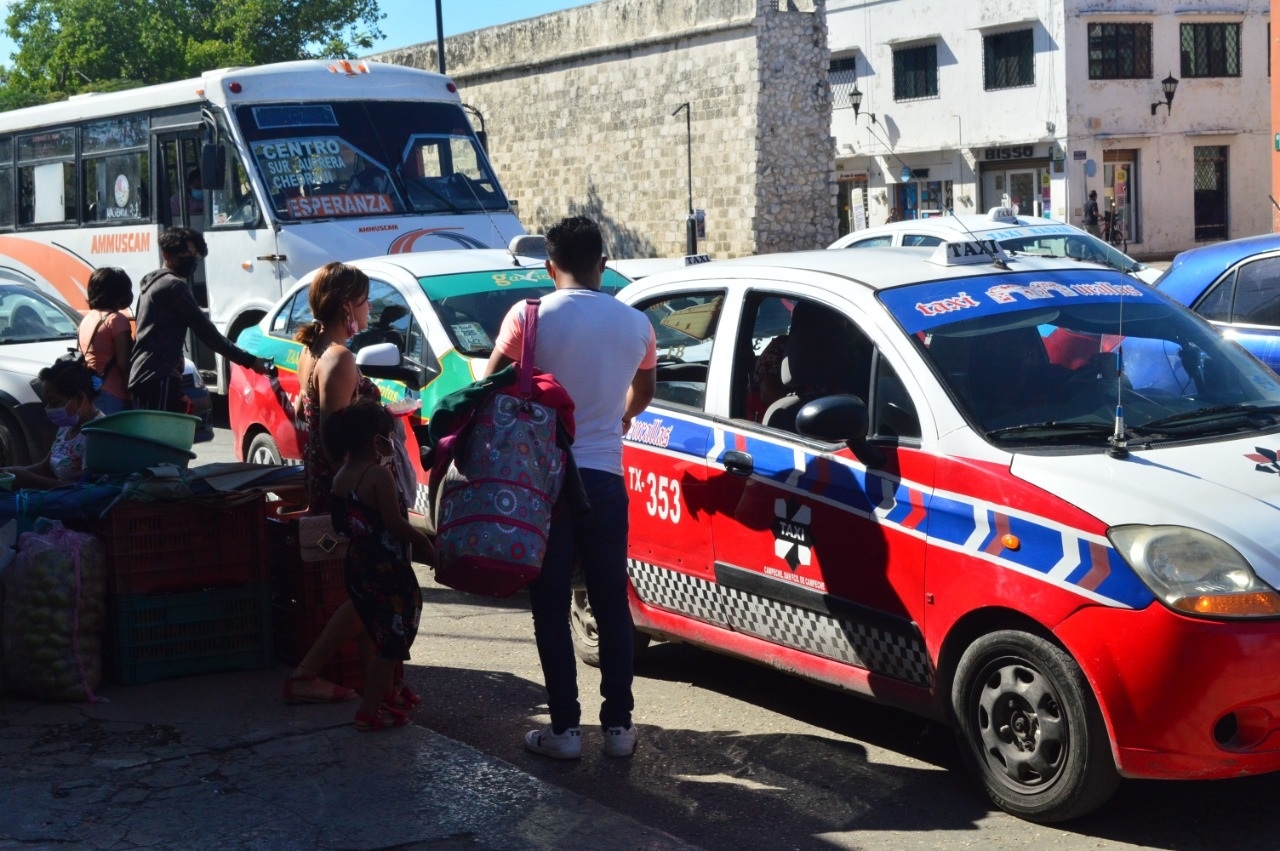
[[35, 330], [1018, 235]]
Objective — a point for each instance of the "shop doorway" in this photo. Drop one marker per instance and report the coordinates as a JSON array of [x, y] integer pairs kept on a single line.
[[1024, 190], [1211, 192], [1120, 184]]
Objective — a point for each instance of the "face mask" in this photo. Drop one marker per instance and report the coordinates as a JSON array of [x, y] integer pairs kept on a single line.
[[61, 417], [185, 267], [388, 458]]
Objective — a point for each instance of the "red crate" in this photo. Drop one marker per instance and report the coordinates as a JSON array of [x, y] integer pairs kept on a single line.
[[313, 585], [295, 629], [184, 545]]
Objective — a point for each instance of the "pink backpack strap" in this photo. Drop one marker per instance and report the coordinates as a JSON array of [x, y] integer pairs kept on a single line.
[[528, 346]]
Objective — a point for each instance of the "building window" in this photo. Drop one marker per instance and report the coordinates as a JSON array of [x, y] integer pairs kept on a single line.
[[915, 72], [842, 75], [1210, 50], [1008, 60], [1120, 51]]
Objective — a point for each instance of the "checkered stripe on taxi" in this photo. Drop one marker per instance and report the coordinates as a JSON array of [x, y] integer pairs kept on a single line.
[[892, 653]]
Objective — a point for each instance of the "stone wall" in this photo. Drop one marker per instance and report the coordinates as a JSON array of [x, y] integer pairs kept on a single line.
[[578, 107]]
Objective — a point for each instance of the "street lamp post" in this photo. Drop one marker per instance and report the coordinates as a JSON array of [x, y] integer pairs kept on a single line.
[[691, 225], [439, 37]]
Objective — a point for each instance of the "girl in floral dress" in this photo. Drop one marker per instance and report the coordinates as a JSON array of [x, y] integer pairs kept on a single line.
[[367, 507]]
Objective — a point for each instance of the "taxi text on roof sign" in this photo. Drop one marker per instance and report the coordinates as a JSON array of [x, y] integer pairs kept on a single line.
[[967, 253]]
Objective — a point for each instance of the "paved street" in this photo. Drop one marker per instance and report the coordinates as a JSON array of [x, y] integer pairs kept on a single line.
[[734, 754]]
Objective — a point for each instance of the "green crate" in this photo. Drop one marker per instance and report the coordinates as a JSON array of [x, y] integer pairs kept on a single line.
[[154, 637]]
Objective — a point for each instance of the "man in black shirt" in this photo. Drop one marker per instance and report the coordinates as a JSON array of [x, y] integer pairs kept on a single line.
[[166, 310], [1091, 213]]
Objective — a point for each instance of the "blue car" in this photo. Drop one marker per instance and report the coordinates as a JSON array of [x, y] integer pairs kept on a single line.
[[1236, 286]]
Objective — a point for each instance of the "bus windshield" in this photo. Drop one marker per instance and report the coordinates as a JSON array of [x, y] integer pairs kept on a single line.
[[368, 158]]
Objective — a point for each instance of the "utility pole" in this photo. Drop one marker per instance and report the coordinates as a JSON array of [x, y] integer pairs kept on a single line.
[[439, 37], [691, 225]]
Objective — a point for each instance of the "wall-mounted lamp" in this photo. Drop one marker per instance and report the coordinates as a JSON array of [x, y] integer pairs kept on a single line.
[[855, 100], [1168, 85]]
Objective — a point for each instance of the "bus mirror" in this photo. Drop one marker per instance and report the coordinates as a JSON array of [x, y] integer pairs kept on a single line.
[[484, 140], [213, 166]]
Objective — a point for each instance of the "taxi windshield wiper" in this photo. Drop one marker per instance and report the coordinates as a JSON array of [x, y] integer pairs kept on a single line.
[[1214, 415], [1050, 429]]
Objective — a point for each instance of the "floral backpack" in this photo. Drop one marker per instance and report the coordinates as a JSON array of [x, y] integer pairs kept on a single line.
[[498, 461]]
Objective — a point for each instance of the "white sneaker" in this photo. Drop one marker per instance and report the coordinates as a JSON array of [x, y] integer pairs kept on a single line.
[[566, 745], [620, 741]]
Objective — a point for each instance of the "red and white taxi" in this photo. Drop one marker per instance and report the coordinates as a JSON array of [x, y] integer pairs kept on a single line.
[[1036, 499]]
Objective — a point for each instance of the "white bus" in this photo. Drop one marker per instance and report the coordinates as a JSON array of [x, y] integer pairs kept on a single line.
[[282, 167]]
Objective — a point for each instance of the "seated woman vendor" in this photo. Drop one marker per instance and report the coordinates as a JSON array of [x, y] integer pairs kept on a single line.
[[67, 390]]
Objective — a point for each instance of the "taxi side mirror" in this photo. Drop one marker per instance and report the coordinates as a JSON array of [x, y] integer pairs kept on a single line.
[[840, 418], [383, 360]]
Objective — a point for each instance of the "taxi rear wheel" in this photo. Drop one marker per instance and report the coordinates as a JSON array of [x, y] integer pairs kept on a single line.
[[1030, 729], [263, 450], [586, 636]]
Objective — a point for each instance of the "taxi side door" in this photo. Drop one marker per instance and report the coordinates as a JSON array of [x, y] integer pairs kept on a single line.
[[819, 549]]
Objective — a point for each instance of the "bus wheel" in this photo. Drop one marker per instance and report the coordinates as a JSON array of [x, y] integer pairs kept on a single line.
[[586, 635], [1030, 729], [262, 450]]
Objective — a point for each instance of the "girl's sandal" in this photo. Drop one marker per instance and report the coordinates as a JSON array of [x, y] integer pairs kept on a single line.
[[402, 698], [334, 693], [385, 717]]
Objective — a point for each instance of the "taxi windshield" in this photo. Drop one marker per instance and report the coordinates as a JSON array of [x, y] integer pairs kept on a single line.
[[1074, 244], [26, 316], [472, 305], [368, 158], [1036, 359]]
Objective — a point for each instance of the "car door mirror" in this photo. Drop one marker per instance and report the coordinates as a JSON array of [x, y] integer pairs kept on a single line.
[[383, 360], [840, 418]]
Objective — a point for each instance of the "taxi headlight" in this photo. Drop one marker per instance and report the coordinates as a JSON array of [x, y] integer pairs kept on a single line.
[[1194, 572]]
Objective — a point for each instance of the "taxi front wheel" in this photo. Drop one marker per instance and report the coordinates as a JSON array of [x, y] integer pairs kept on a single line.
[[263, 450], [1030, 729], [586, 638]]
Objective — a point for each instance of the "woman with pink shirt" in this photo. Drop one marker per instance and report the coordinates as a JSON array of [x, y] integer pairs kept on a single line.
[[106, 336]]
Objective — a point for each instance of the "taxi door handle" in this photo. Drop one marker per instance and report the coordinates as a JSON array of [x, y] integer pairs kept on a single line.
[[739, 463], [278, 258]]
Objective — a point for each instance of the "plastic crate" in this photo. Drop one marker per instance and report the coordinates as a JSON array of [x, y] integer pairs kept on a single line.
[[184, 545], [295, 629], [158, 636], [314, 585]]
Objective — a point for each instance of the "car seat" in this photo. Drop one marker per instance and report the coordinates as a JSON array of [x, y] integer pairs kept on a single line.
[[1006, 370], [25, 321], [821, 359]]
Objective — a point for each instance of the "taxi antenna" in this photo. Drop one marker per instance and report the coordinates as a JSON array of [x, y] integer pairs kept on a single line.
[[995, 259], [1119, 440]]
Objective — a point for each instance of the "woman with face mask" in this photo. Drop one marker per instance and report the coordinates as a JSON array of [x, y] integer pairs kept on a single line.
[[67, 390]]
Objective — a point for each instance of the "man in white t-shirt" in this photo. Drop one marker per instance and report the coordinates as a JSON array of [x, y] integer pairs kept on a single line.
[[604, 354]]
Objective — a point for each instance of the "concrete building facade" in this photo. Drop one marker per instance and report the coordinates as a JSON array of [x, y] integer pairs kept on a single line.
[[578, 107], [973, 105]]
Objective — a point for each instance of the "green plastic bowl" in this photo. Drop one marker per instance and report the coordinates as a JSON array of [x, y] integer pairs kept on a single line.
[[6, 481], [114, 452], [176, 430]]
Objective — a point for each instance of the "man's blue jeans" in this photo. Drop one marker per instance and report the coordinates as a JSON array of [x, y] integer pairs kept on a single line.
[[599, 542]]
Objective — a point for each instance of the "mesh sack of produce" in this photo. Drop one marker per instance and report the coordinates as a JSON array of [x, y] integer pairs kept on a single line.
[[54, 615]]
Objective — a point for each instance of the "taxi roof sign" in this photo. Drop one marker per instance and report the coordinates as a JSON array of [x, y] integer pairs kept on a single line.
[[1003, 214], [968, 253]]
